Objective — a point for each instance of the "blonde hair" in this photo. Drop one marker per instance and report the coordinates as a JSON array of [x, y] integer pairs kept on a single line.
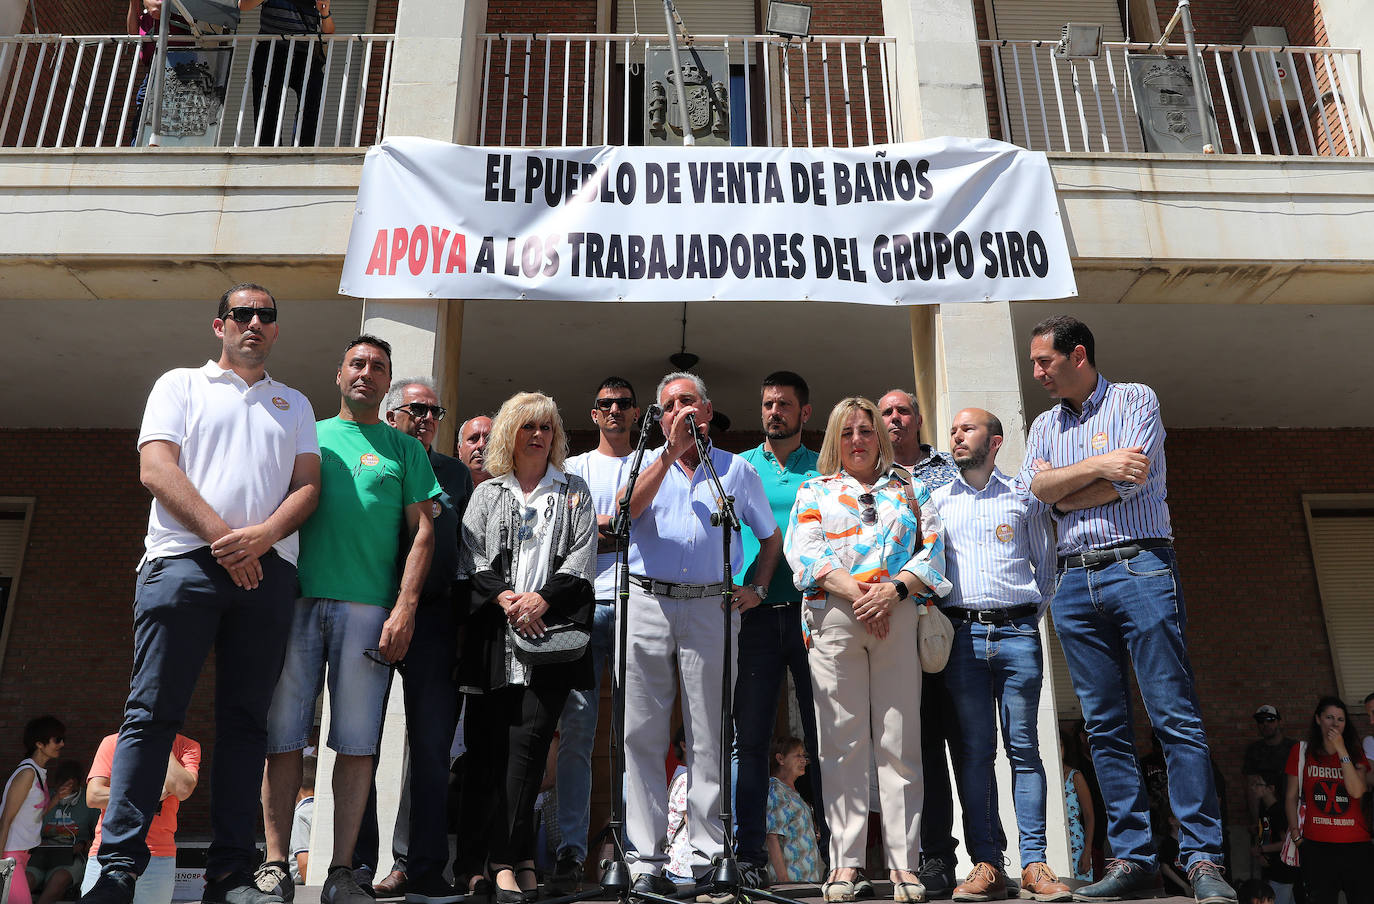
[[829, 462], [516, 411]]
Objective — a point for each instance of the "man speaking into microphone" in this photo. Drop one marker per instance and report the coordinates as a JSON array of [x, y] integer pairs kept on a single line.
[[674, 617]]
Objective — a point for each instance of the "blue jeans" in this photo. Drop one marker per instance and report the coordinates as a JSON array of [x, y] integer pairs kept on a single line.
[[576, 733], [1109, 619], [770, 643], [999, 669], [184, 606]]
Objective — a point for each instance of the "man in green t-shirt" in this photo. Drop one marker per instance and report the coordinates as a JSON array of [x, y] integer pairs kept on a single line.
[[364, 556]]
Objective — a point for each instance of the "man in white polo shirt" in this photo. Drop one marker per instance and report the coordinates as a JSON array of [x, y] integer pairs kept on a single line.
[[231, 459]]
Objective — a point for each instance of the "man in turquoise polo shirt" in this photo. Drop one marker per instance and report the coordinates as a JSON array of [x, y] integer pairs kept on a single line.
[[770, 636], [359, 589]]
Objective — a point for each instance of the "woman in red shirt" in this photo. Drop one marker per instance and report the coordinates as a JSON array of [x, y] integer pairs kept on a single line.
[[1335, 850]]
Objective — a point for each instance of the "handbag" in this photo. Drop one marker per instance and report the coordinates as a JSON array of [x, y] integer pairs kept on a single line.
[[1288, 853], [934, 638], [934, 630], [563, 640]]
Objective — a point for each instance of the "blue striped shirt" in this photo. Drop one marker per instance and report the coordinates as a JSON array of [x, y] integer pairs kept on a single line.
[[997, 544], [1115, 416]]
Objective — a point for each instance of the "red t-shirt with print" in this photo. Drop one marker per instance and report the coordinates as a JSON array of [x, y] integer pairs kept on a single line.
[[1333, 815]]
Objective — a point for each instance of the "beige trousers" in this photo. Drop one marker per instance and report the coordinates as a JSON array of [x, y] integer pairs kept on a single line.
[[868, 704]]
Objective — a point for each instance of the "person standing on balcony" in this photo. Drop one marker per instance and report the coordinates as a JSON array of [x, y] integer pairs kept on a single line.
[[287, 18], [1097, 458], [142, 19], [231, 459]]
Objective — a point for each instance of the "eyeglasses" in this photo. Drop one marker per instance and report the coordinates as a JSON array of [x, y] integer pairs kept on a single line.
[[1266, 718], [422, 409], [869, 514], [376, 656], [246, 314], [617, 402]]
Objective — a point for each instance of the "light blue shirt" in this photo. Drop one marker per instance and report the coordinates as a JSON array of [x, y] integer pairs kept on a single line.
[[997, 544], [605, 475], [674, 540]]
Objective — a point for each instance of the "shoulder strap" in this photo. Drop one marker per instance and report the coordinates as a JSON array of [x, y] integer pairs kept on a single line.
[[909, 494], [1302, 766]]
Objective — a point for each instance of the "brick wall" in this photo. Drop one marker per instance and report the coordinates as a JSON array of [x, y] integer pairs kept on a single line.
[[1256, 628], [70, 640]]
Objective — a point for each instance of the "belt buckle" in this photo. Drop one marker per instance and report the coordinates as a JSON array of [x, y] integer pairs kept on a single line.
[[679, 592], [983, 616]]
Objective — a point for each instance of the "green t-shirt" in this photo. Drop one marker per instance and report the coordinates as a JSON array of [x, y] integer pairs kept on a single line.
[[351, 547]]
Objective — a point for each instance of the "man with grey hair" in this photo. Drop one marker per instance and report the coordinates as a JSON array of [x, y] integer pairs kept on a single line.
[[677, 574], [420, 842]]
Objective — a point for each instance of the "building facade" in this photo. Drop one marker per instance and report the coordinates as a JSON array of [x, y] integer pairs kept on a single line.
[[1238, 283]]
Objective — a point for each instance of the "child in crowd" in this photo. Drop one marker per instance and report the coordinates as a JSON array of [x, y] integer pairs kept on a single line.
[[793, 853], [26, 800], [301, 821], [59, 862], [1254, 891]]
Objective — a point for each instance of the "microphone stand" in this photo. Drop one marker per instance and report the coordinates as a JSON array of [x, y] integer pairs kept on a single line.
[[727, 878], [615, 876]]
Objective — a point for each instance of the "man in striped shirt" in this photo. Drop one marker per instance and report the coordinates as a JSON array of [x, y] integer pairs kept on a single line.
[[998, 558], [1098, 459]]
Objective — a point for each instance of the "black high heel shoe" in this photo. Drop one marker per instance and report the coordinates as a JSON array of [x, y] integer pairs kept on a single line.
[[529, 897], [503, 895]]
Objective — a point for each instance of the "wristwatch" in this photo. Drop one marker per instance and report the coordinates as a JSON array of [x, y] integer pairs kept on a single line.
[[903, 591], [760, 590]]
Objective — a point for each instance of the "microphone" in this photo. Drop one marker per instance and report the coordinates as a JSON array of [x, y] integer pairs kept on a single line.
[[692, 421], [653, 414]]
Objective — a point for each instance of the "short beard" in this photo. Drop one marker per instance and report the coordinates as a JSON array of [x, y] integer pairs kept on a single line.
[[782, 432], [975, 459]]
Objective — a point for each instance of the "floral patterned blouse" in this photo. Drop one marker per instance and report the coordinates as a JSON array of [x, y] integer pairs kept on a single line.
[[789, 817], [830, 528]]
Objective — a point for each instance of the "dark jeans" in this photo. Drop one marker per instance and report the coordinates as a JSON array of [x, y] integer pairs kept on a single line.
[[183, 606], [1328, 869], [508, 733], [770, 642], [420, 843], [309, 91], [940, 726]]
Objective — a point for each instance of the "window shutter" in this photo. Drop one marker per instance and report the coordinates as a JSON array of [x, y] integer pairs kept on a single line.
[[1342, 541]]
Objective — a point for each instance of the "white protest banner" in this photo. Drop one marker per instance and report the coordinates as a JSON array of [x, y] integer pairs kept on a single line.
[[946, 220]]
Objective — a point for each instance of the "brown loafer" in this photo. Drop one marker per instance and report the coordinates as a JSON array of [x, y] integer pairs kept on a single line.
[[986, 882], [1038, 882], [393, 886]]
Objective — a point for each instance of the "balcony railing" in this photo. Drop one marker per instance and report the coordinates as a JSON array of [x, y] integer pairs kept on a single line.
[[1285, 101], [545, 90], [66, 91]]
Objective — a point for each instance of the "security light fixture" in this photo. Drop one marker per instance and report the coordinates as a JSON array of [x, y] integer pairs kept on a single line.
[[792, 20], [1079, 41]]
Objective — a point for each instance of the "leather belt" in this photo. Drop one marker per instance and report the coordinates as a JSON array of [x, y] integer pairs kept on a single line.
[[678, 591], [780, 604], [1120, 553], [991, 616]]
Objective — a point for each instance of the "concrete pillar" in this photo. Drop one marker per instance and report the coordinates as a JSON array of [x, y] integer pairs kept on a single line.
[[964, 355], [433, 70]]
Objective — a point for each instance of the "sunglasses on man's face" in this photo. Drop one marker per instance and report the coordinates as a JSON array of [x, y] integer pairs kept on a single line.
[[418, 410], [246, 314], [618, 402], [1266, 718], [869, 514]]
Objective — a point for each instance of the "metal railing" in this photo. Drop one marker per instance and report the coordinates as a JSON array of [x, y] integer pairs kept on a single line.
[[1287, 101], [66, 91], [541, 90]]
